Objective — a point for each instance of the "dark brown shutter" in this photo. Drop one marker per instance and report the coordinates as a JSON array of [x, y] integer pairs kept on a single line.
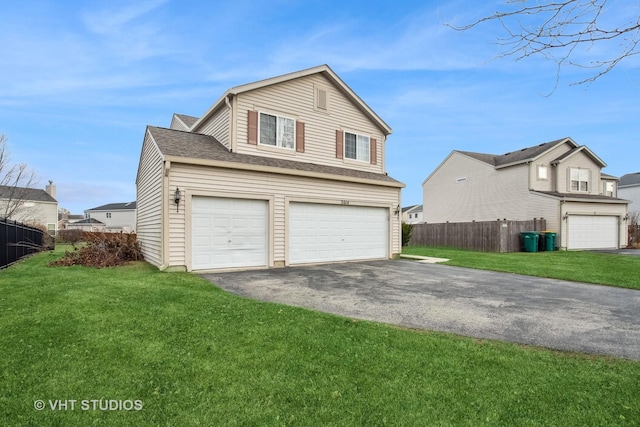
[[300, 137], [373, 144], [339, 144], [252, 127]]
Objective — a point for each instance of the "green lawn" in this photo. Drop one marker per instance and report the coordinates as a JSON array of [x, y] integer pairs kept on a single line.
[[195, 355], [579, 266]]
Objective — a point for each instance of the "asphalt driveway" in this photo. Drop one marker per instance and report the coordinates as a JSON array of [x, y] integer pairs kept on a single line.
[[528, 310]]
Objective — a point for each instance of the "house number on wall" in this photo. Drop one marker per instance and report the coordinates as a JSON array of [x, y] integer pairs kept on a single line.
[[344, 202]]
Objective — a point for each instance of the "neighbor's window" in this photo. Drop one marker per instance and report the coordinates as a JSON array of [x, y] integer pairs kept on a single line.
[[608, 189], [356, 147], [579, 179], [277, 131], [543, 172], [108, 214]]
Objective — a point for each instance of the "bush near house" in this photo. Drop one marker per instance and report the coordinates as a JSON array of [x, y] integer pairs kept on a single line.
[[102, 250], [407, 229]]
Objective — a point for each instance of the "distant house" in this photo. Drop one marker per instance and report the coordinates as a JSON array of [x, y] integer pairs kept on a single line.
[[116, 217], [629, 188], [412, 214], [65, 219], [559, 181], [35, 206], [87, 224]]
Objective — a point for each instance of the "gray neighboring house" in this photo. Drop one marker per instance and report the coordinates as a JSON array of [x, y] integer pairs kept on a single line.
[[37, 206], [116, 217], [412, 214], [629, 188], [559, 181]]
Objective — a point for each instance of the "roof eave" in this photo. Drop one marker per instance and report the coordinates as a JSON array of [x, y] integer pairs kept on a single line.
[[281, 171]]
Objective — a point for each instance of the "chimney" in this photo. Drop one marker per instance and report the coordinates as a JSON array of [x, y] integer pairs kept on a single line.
[[51, 189]]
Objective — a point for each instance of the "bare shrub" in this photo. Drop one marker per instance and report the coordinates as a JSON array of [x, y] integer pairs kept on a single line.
[[103, 250], [71, 236]]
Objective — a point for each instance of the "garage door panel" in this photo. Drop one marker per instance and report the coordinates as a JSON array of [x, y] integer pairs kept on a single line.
[[592, 232], [324, 233], [228, 233]]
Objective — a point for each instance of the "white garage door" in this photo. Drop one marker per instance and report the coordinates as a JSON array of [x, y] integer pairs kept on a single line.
[[592, 232], [228, 233], [321, 233]]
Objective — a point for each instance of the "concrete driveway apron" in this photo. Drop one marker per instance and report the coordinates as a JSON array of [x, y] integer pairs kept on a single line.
[[528, 310]]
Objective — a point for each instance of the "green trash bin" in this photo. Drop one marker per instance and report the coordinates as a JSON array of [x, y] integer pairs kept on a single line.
[[530, 241], [551, 241]]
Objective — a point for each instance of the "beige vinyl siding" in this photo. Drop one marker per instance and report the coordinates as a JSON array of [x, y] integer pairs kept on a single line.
[[32, 211], [464, 189], [603, 209], [149, 202], [178, 124], [279, 190], [218, 126], [547, 207], [546, 159], [295, 99], [582, 161]]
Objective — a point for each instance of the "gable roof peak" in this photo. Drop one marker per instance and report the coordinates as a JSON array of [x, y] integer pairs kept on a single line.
[[320, 69]]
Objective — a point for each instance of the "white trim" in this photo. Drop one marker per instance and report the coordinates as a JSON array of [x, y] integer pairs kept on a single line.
[[190, 193], [344, 146], [277, 116]]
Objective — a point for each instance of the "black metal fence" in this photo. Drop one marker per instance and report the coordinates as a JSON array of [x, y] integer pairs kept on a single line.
[[17, 241], [485, 236]]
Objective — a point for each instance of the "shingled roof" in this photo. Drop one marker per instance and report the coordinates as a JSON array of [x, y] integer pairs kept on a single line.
[[582, 197], [629, 179], [188, 145], [126, 206], [517, 157], [23, 193], [187, 120]]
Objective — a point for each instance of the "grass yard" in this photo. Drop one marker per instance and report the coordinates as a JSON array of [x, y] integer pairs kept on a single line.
[[192, 355], [579, 266]]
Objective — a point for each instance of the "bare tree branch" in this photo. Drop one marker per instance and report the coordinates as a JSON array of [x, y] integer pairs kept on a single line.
[[556, 29], [14, 183]]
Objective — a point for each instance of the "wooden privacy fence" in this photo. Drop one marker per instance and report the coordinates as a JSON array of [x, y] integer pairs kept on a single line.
[[485, 236], [18, 240]]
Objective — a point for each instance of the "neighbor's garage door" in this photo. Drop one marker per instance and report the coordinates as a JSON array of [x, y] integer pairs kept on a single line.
[[228, 233], [321, 233], [592, 232]]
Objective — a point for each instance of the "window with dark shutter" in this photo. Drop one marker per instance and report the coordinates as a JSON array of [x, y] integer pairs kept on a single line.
[[252, 124], [374, 151], [300, 137]]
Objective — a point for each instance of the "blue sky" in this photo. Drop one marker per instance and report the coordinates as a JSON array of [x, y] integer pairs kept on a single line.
[[80, 80]]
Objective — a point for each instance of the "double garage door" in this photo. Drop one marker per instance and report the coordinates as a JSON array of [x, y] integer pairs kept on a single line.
[[592, 232], [229, 233]]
